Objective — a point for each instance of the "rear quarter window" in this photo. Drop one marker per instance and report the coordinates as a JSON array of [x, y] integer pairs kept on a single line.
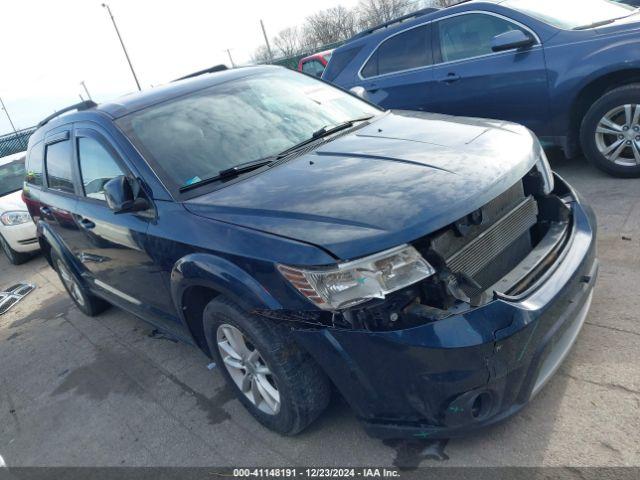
[[34, 164], [339, 61]]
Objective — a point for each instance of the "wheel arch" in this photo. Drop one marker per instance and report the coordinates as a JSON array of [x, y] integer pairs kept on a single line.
[[199, 278], [594, 90], [49, 242]]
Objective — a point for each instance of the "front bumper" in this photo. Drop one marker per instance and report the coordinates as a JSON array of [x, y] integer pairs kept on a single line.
[[468, 371], [22, 238]]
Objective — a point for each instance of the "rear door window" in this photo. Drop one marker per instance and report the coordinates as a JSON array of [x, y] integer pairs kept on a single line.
[[58, 166], [34, 165], [404, 51], [97, 167]]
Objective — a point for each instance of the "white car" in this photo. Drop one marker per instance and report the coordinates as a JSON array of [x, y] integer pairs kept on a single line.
[[18, 237]]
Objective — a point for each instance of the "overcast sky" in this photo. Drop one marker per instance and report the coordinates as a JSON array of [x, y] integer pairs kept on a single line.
[[49, 46]]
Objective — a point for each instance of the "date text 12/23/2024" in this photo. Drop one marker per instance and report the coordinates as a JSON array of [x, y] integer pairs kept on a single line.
[[315, 473]]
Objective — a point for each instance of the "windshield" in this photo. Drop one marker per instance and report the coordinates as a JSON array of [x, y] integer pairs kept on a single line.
[[11, 177], [572, 14], [193, 138]]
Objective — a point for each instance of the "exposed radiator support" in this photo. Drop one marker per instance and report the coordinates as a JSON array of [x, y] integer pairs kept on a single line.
[[483, 249]]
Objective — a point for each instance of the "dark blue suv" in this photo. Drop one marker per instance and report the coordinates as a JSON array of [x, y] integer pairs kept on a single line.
[[434, 270], [568, 70]]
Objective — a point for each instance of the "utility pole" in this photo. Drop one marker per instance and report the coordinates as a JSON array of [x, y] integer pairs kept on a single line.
[[122, 43], [266, 39], [230, 58], [85, 89], [11, 122]]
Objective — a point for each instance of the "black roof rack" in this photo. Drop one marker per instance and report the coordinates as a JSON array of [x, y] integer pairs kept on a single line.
[[416, 14], [86, 105], [216, 68]]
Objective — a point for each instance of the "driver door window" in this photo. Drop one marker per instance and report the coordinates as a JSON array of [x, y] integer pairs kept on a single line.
[[97, 167], [470, 35]]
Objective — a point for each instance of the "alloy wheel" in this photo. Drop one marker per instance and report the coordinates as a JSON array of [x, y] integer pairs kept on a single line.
[[618, 135], [70, 282], [247, 369]]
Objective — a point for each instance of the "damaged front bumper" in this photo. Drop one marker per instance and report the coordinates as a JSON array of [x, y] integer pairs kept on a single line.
[[450, 377]]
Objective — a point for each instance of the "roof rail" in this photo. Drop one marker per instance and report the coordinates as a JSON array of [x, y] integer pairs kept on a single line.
[[416, 14], [216, 68], [86, 105]]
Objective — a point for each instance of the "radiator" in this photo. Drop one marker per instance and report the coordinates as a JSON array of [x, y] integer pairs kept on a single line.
[[482, 250]]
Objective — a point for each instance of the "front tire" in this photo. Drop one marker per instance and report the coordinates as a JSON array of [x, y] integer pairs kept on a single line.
[[15, 258], [86, 302], [610, 132], [276, 381]]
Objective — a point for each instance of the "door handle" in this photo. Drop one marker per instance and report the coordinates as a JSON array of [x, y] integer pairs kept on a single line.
[[87, 224], [451, 78], [372, 88], [45, 212]]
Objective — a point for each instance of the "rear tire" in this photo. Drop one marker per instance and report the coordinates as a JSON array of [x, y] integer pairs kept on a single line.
[[86, 302], [301, 388], [15, 258], [610, 132]]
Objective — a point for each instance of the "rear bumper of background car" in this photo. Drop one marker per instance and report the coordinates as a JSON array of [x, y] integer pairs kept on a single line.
[[22, 238], [456, 375]]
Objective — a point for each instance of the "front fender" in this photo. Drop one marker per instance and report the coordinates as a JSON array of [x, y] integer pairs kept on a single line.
[[205, 270]]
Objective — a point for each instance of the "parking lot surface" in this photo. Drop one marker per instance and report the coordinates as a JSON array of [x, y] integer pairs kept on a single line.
[[111, 391]]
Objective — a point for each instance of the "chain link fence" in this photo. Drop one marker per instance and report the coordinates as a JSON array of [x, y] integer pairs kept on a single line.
[[15, 142]]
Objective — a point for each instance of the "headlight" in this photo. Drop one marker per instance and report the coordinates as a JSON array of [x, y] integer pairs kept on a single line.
[[545, 171], [352, 283], [15, 218]]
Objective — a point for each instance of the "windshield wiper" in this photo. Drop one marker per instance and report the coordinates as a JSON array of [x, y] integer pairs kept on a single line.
[[323, 132], [605, 22], [596, 24], [229, 173], [329, 129]]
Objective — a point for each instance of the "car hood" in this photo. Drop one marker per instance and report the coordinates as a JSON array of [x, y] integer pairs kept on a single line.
[[12, 202], [395, 180]]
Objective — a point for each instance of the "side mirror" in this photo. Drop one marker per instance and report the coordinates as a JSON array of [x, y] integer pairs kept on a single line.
[[123, 195], [510, 40]]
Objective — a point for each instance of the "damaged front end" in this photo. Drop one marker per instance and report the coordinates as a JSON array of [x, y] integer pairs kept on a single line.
[[502, 296]]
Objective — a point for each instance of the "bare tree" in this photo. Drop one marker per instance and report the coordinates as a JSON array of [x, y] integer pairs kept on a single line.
[[339, 24], [329, 26], [374, 12], [289, 42], [446, 3], [261, 55]]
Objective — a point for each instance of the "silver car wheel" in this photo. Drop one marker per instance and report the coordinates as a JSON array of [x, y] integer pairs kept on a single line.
[[618, 135], [70, 282], [247, 369]]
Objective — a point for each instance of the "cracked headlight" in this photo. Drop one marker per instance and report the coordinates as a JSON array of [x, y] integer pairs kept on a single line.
[[351, 283], [542, 164], [15, 218]]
